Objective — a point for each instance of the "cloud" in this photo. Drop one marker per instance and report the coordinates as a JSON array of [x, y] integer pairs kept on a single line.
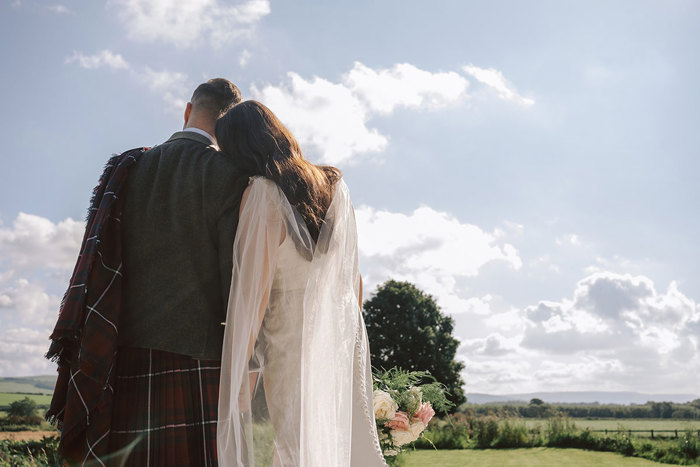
[[173, 87], [404, 85], [615, 332], [187, 23], [58, 9], [493, 345], [431, 249], [244, 57], [623, 316], [34, 242], [28, 303], [495, 80], [36, 258], [333, 118], [22, 352], [323, 115], [105, 58], [570, 239]]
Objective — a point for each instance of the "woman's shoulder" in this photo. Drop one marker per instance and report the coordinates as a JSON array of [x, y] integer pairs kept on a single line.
[[262, 190], [261, 182]]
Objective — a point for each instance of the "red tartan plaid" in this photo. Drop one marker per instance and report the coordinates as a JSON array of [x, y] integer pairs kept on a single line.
[[84, 340], [165, 409]]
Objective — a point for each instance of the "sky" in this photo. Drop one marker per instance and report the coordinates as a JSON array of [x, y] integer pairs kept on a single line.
[[531, 165]]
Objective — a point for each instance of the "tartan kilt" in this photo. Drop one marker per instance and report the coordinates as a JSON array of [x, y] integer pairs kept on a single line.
[[164, 410]]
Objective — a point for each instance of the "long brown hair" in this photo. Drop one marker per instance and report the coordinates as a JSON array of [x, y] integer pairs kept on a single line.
[[261, 145]]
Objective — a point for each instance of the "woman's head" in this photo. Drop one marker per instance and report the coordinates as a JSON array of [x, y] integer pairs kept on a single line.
[[261, 145]]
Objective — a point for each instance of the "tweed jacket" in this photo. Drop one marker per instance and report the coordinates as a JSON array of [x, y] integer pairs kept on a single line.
[[179, 223]]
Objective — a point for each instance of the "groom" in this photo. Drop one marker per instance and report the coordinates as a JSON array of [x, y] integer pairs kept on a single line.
[[177, 225], [180, 217]]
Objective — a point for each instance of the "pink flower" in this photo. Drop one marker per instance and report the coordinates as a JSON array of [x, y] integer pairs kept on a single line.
[[399, 422], [425, 412]]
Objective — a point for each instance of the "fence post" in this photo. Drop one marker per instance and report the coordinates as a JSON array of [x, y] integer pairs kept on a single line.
[[676, 431], [652, 434], [606, 432]]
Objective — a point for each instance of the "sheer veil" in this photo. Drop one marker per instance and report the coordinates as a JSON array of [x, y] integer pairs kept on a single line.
[[313, 408]]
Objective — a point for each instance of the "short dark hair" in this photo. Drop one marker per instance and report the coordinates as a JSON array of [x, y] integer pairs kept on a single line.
[[216, 96]]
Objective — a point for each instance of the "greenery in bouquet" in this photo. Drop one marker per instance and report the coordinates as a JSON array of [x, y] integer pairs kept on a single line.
[[404, 403]]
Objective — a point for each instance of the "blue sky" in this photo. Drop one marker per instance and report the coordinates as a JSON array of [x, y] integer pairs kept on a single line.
[[533, 165]]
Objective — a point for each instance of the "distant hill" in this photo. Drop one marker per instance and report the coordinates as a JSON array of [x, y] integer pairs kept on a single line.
[[581, 397], [29, 384]]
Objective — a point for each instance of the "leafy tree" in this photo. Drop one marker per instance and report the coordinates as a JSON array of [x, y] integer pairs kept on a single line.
[[536, 401], [22, 408], [661, 409], [406, 329]]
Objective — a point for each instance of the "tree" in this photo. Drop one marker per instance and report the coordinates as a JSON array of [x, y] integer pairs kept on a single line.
[[22, 408], [536, 408], [406, 329]]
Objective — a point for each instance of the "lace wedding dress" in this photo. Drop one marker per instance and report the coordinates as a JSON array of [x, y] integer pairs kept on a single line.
[[296, 385]]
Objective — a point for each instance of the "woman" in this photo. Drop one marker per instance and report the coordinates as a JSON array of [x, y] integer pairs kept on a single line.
[[296, 386]]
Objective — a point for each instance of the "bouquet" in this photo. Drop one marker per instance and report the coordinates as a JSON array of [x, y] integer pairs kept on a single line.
[[403, 407]]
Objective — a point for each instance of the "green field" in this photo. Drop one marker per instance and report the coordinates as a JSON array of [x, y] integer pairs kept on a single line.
[[536, 457], [29, 384], [6, 398], [626, 424]]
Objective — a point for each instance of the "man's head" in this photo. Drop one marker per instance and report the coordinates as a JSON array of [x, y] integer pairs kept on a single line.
[[209, 102]]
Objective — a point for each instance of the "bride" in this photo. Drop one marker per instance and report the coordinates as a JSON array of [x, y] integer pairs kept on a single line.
[[296, 385]]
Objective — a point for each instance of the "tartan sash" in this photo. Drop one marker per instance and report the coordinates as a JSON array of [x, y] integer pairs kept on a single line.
[[84, 340]]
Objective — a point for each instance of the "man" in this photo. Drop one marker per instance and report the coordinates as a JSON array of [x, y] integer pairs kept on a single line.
[[180, 217], [176, 222]]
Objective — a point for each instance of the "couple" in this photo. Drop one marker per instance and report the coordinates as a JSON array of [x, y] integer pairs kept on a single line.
[[214, 315]]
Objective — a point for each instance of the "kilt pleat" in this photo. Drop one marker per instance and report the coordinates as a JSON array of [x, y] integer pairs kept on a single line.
[[165, 409]]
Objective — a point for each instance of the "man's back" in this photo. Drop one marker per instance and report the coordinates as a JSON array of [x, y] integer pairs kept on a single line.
[[180, 217]]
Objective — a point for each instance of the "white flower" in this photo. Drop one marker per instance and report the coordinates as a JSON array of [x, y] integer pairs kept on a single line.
[[417, 428], [384, 406], [401, 437], [391, 452]]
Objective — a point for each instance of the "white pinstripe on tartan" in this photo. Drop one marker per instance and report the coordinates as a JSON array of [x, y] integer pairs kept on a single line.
[[201, 403], [92, 308], [163, 427]]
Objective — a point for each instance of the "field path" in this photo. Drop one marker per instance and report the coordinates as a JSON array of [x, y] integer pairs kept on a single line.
[[26, 435]]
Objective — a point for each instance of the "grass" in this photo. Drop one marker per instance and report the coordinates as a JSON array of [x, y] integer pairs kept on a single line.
[[535, 457], [6, 398]]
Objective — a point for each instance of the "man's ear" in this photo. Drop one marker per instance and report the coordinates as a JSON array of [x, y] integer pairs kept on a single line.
[[188, 111]]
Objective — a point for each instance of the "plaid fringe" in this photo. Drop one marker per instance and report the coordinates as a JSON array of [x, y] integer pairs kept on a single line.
[[84, 340]]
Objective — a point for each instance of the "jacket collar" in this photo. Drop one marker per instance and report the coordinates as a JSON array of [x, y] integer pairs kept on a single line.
[[190, 135]]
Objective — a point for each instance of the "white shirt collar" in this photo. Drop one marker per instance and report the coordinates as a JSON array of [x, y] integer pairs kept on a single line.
[[203, 133]]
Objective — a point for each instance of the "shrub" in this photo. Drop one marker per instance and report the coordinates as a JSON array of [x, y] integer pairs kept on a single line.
[[21, 420], [689, 445], [30, 453], [444, 435], [512, 434], [485, 431], [22, 408]]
